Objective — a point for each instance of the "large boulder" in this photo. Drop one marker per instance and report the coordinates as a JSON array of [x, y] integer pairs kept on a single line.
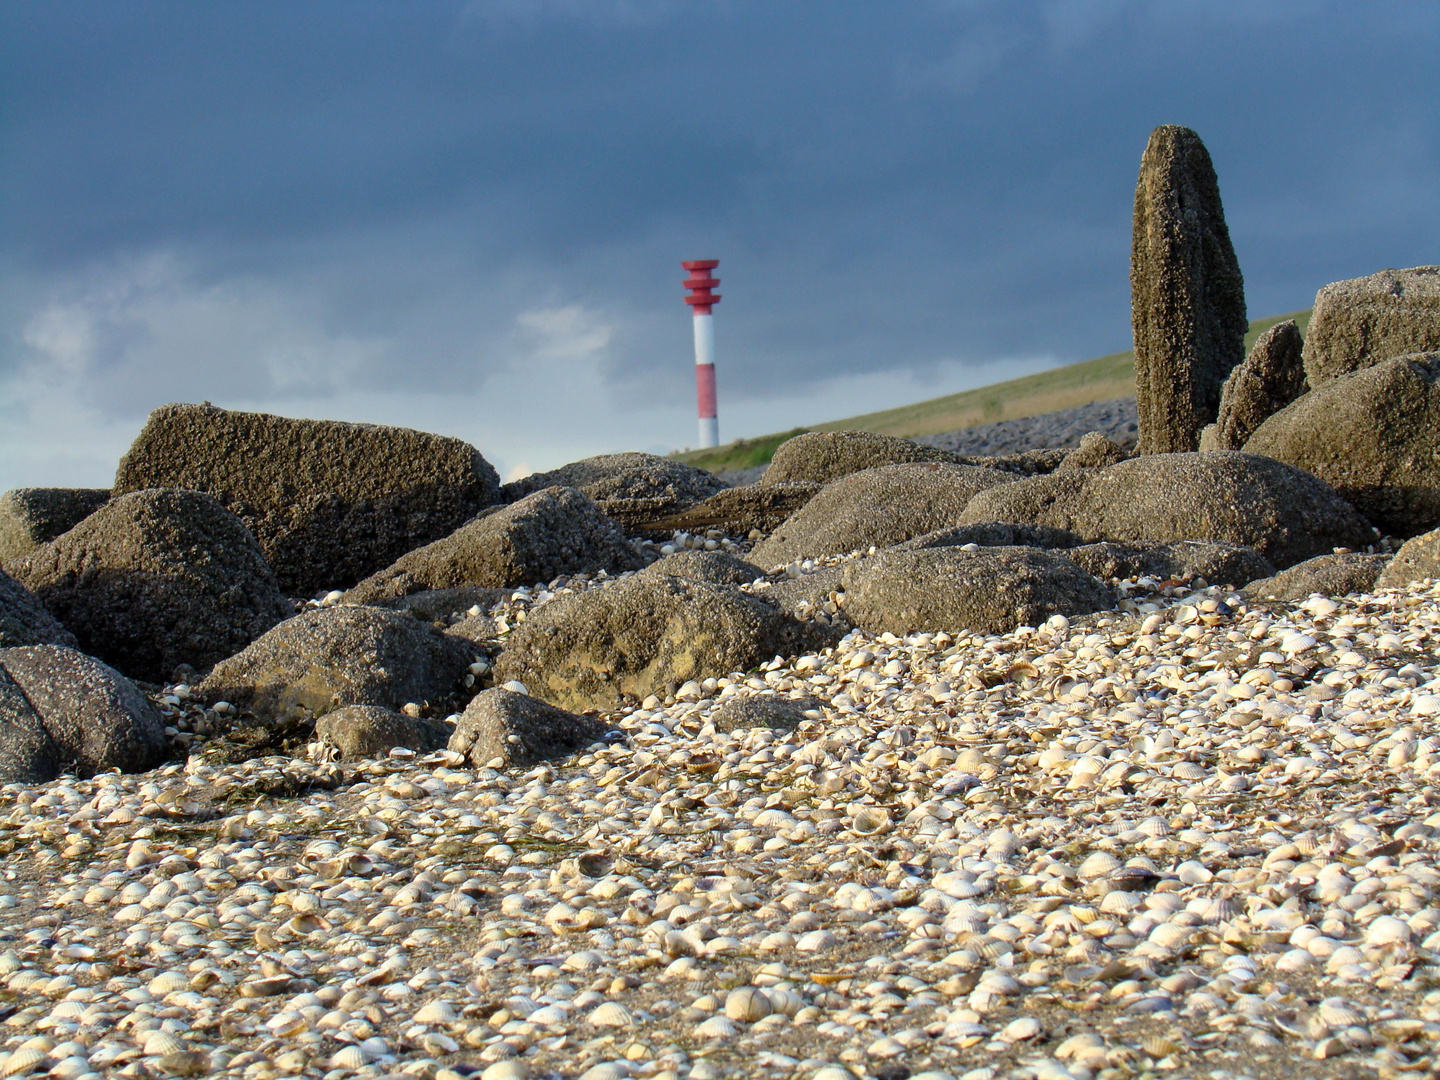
[[877, 507], [30, 517], [637, 635], [1271, 377], [1329, 575], [24, 620], [551, 532], [501, 729], [632, 488], [1362, 321], [989, 590], [1281, 512], [1187, 294], [329, 502], [738, 510], [61, 709], [720, 567], [993, 534], [1417, 559], [822, 456], [369, 731], [155, 579], [1183, 560], [1373, 435], [328, 658]]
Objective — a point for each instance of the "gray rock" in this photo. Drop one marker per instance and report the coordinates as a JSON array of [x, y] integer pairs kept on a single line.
[[475, 628], [155, 579], [989, 590], [1362, 321], [550, 532], [993, 534], [30, 517], [1271, 377], [1183, 560], [331, 657], [1096, 451], [806, 596], [637, 635], [720, 567], [1373, 435], [739, 510], [368, 731], [1116, 419], [1279, 511], [1328, 575], [879, 507], [1417, 559], [741, 711], [503, 729], [62, 709], [822, 456], [329, 502], [631, 488], [24, 619], [438, 605], [1187, 294]]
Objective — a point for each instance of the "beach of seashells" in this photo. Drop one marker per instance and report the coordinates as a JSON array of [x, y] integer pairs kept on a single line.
[[1193, 837]]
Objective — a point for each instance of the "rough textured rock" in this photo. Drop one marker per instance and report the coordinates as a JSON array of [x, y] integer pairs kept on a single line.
[[1281, 512], [329, 502], [501, 729], [993, 534], [157, 578], [30, 517], [741, 711], [880, 507], [739, 509], [368, 731], [1373, 435], [437, 605], [1271, 377], [1417, 559], [1096, 451], [1184, 560], [822, 456], [638, 634], [550, 532], [1187, 294], [1362, 321], [631, 488], [809, 594], [1329, 575], [989, 590], [331, 657], [720, 567], [61, 709], [24, 619]]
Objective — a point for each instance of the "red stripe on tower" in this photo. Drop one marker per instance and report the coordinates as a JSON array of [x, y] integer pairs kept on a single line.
[[702, 301]]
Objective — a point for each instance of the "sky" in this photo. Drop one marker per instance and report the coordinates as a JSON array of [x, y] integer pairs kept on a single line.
[[469, 216]]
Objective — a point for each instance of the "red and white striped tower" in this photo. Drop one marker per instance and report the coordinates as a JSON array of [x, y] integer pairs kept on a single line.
[[701, 301]]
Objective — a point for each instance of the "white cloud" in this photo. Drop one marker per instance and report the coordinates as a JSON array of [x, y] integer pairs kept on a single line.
[[567, 332]]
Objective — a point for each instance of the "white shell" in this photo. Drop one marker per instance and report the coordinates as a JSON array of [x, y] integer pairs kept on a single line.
[[610, 1014], [1098, 864], [22, 1061], [437, 1012], [1387, 930], [160, 1043], [351, 1058], [168, 982], [717, 1027], [748, 1004]]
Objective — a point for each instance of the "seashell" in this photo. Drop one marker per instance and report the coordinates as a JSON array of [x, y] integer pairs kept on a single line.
[[168, 982], [747, 1003], [717, 1027], [287, 1022], [1098, 864], [548, 1016], [158, 1043], [1171, 935], [1188, 770], [509, 1069], [585, 960], [1337, 1014], [22, 1061], [870, 821], [610, 1014], [815, 941], [1387, 930], [1155, 826], [351, 1058], [436, 1012], [1160, 1046]]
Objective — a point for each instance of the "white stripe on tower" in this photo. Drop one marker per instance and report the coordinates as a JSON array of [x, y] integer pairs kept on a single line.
[[702, 301]]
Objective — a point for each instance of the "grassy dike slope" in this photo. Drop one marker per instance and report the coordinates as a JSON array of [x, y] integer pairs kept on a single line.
[[1065, 387]]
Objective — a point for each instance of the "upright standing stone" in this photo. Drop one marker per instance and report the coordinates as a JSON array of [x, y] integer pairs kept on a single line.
[[1271, 377], [1187, 296]]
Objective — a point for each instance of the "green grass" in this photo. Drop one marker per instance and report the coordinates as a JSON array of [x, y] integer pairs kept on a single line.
[[1065, 387]]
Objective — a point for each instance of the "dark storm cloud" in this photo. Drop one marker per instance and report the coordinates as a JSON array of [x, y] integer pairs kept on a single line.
[[351, 194]]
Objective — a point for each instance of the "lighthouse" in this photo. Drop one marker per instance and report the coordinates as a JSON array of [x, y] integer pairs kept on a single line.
[[702, 302]]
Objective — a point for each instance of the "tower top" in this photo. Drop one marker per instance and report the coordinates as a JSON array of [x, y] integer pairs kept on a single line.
[[699, 284]]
